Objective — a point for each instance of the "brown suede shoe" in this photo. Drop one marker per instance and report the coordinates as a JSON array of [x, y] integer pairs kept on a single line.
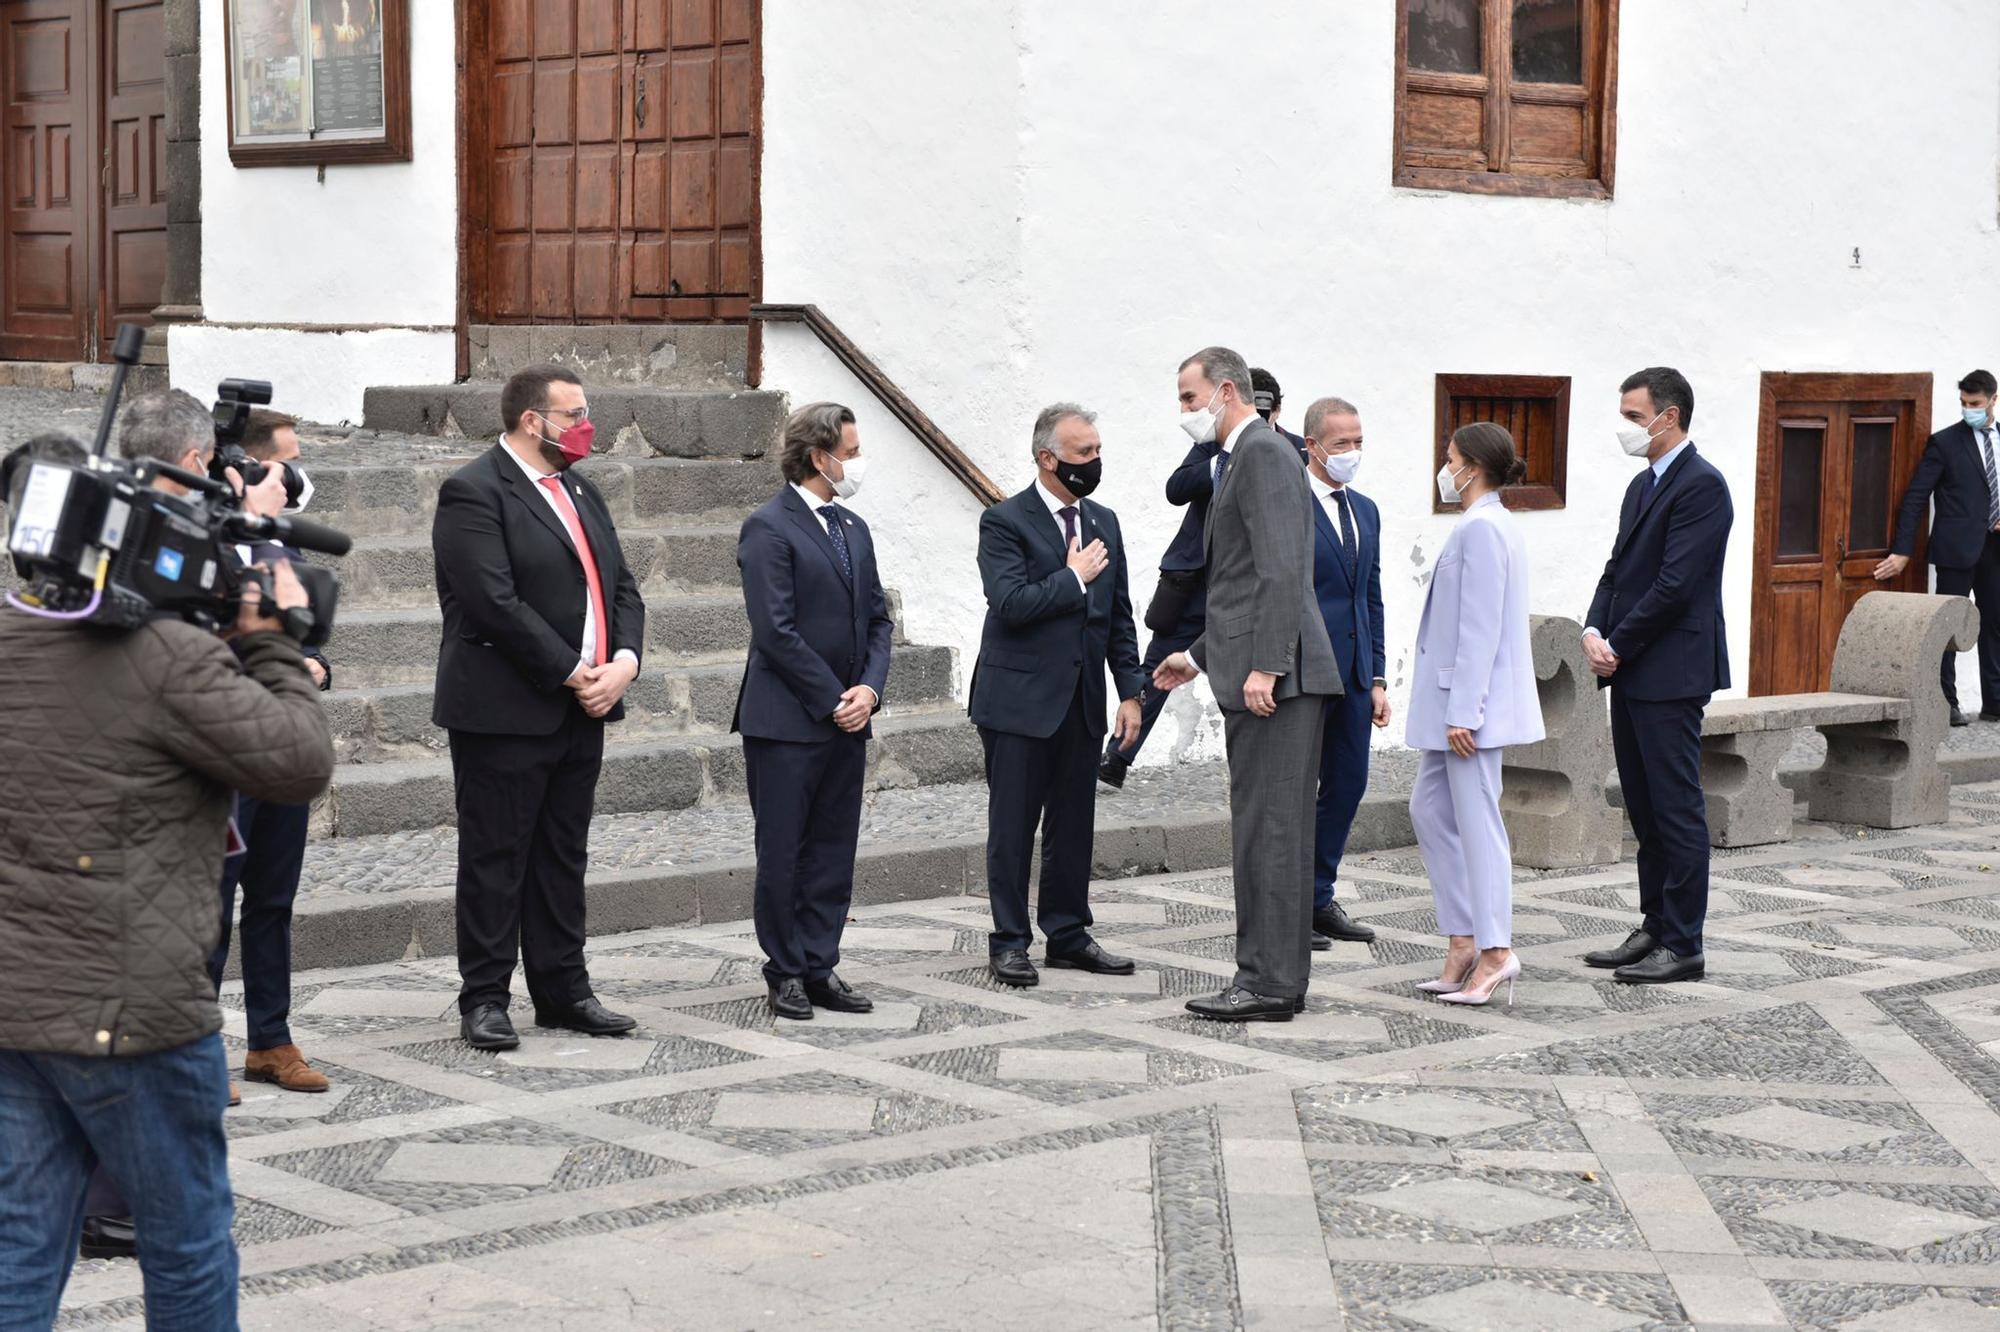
[[284, 1066], [235, 1096]]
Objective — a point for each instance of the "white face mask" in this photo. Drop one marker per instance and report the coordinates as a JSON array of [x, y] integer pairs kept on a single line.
[[850, 477], [1636, 440], [1448, 484], [1341, 467], [1200, 425]]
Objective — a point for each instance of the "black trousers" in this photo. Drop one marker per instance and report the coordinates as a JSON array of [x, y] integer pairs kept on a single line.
[[1051, 782], [274, 838], [1153, 701], [524, 804], [1982, 583], [806, 798], [1658, 745]]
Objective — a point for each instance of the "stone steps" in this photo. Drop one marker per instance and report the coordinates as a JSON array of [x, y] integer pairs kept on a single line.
[[380, 723], [394, 571], [369, 495], [922, 748], [638, 420]]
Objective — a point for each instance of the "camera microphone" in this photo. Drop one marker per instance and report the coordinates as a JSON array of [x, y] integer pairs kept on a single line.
[[292, 532]]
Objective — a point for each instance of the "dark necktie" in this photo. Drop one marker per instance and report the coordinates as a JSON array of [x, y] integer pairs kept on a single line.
[[1221, 466], [839, 538], [1068, 512], [1647, 487], [1992, 482], [1347, 542]]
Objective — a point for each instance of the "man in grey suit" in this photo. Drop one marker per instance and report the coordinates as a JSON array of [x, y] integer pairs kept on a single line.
[[1272, 668]]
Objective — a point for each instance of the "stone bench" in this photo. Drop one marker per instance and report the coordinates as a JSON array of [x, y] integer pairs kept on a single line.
[[1883, 719], [1744, 739]]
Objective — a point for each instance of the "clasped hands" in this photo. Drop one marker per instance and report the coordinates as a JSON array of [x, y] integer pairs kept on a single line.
[[599, 688], [857, 705], [1603, 661]]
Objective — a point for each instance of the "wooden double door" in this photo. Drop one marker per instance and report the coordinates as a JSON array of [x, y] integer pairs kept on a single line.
[[1834, 454], [83, 144], [612, 153]]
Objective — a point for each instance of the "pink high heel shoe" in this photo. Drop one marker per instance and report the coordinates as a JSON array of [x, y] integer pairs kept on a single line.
[[1442, 986], [1479, 998]]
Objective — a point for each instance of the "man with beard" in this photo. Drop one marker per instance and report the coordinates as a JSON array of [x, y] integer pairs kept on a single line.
[[543, 626]]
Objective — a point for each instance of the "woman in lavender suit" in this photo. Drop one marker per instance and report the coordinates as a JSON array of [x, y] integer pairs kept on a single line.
[[1474, 694]]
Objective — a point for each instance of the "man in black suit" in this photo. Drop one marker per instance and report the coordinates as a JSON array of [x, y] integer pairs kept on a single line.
[[1656, 637], [543, 627], [1958, 471], [1057, 615], [819, 661], [1268, 399]]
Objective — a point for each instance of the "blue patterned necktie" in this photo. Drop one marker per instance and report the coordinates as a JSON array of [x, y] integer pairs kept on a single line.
[[1221, 466], [839, 538]]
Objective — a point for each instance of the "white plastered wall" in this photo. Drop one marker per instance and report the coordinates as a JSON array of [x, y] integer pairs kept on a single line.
[[1010, 203], [372, 246]]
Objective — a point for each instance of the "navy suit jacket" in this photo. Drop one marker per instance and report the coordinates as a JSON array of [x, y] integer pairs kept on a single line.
[[1659, 603], [814, 632], [1043, 630], [1953, 472], [1351, 605], [1192, 485]]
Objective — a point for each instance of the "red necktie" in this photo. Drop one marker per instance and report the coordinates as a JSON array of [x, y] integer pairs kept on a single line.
[[582, 544]]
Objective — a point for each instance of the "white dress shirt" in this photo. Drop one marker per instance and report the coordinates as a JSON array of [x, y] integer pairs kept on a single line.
[[589, 611], [1056, 506], [1324, 494]]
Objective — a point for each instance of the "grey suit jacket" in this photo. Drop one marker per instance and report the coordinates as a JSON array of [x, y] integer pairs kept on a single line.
[[1262, 612]]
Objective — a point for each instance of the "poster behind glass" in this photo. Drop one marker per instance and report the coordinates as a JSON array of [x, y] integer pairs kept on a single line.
[[307, 70]]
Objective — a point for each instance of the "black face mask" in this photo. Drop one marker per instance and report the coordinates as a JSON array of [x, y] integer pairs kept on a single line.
[[1079, 478]]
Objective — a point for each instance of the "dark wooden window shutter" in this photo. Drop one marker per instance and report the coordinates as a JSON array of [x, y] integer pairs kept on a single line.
[[1534, 409]]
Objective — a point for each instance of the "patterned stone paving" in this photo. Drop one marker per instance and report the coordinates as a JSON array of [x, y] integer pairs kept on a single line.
[[1810, 1137]]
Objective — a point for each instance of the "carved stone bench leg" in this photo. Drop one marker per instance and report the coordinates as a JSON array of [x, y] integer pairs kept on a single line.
[[1553, 792], [1886, 774], [1747, 804]]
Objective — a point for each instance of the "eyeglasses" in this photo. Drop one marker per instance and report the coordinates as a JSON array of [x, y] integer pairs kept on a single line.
[[574, 414]]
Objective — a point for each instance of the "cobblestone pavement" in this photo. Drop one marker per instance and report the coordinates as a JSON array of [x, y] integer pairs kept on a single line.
[[1810, 1137]]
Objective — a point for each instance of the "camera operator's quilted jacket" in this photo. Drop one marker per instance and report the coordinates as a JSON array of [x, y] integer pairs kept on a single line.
[[119, 752]]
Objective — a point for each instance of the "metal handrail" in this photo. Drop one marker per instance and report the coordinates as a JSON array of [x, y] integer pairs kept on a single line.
[[885, 390]]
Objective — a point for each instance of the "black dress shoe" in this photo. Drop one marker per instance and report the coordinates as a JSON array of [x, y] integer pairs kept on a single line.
[[108, 1237], [1237, 1004], [788, 1000], [1958, 718], [1988, 716], [1320, 942], [1012, 967], [487, 1027], [1299, 1004], [837, 996], [1090, 957], [587, 1016], [1111, 771], [1331, 920], [1662, 967], [1635, 948]]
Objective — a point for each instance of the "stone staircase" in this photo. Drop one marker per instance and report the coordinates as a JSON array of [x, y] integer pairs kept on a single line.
[[685, 452]]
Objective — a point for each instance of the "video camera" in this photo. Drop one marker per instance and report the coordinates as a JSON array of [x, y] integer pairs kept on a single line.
[[233, 400], [93, 541]]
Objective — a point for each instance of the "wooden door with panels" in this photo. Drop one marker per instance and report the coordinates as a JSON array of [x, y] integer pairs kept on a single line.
[[1834, 454], [83, 224], [611, 160]]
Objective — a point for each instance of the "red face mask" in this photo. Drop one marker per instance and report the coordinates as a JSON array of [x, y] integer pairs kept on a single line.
[[574, 443]]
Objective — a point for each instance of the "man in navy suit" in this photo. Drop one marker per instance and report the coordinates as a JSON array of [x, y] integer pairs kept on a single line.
[[819, 660], [1057, 615], [1655, 636], [1958, 471], [1347, 579]]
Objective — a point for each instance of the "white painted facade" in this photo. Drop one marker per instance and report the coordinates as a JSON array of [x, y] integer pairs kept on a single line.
[[1014, 201]]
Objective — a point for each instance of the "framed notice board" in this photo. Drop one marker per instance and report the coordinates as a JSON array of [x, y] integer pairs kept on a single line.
[[313, 82]]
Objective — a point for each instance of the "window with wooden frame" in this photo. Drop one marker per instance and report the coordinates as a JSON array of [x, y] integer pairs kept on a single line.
[[1534, 409], [1507, 96]]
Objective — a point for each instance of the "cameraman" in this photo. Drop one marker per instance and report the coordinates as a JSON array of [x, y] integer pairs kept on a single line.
[[119, 750], [274, 841]]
